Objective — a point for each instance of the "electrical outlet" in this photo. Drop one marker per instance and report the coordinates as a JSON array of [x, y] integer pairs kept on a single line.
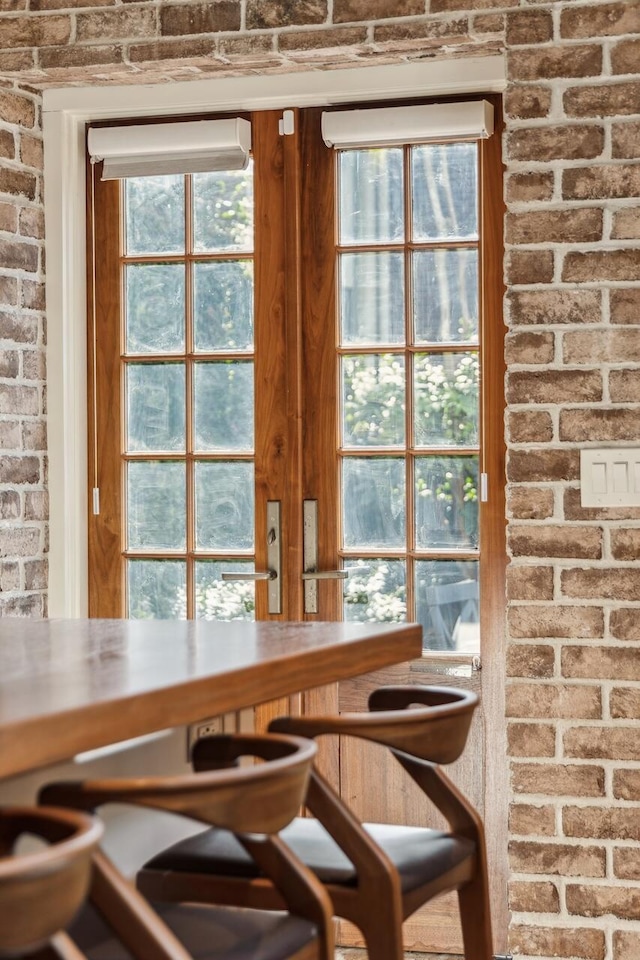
[[204, 728]]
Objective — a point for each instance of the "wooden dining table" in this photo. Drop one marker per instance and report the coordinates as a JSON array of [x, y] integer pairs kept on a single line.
[[68, 686]]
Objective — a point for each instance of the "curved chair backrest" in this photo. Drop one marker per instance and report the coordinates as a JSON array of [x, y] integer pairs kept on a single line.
[[41, 891], [253, 801], [431, 723], [259, 798]]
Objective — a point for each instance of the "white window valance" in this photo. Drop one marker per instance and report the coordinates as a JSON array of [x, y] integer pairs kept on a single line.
[[192, 146], [378, 127]]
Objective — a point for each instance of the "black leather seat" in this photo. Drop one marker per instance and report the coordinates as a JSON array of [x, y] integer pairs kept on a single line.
[[419, 854], [207, 933]]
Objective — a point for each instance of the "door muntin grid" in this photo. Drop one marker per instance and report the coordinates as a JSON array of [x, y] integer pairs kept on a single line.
[[188, 382], [409, 375]]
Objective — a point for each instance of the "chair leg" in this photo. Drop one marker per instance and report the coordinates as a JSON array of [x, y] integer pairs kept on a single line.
[[386, 946], [475, 918], [383, 934]]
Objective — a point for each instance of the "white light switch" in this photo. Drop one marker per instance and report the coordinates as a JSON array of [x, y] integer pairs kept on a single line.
[[610, 478], [620, 477], [599, 477]]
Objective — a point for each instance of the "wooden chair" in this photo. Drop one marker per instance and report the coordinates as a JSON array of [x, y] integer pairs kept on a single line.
[[376, 874], [41, 891], [253, 802]]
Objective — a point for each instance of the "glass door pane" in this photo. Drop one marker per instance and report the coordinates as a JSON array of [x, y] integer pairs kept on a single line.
[[408, 354], [188, 379]]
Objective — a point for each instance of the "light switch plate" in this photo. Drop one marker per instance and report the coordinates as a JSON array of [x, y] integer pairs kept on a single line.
[[610, 477]]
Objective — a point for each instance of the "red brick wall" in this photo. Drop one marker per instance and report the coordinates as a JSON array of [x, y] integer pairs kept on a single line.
[[572, 265]]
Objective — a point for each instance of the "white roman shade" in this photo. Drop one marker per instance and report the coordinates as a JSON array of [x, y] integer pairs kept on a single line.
[[193, 146], [470, 120]]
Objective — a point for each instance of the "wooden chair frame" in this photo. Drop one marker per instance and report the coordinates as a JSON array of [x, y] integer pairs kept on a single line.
[[41, 891], [423, 727], [254, 802]]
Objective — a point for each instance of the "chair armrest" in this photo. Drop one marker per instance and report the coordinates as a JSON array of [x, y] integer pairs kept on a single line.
[[261, 798], [435, 731], [400, 697]]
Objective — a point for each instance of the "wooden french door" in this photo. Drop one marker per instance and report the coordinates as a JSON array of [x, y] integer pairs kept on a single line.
[[189, 425], [322, 332], [403, 446]]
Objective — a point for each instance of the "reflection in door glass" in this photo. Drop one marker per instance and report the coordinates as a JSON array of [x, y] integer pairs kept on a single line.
[[156, 505], [412, 411], [224, 505], [223, 305], [446, 502], [155, 307], [223, 405], [155, 407], [372, 297], [445, 201], [154, 215], [157, 589], [445, 295], [447, 604], [371, 209], [374, 502]]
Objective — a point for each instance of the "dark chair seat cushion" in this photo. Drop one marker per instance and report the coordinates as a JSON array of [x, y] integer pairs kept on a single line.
[[419, 854], [208, 933]]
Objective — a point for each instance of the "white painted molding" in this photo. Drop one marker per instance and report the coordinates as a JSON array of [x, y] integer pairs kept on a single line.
[[65, 224]]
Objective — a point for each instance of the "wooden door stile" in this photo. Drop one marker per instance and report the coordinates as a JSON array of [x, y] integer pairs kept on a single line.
[[104, 399]]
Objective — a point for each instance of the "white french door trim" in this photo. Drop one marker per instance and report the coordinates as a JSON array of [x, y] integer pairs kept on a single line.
[[66, 111]]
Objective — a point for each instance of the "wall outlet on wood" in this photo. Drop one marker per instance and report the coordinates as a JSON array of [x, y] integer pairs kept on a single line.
[[204, 728]]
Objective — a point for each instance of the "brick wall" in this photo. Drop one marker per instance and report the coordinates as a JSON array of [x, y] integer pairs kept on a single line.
[[572, 149], [23, 441], [572, 185]]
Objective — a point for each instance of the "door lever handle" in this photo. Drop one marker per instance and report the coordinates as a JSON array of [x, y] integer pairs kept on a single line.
[[325, 575], [249, 575], [311, 574], [273, 534]]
